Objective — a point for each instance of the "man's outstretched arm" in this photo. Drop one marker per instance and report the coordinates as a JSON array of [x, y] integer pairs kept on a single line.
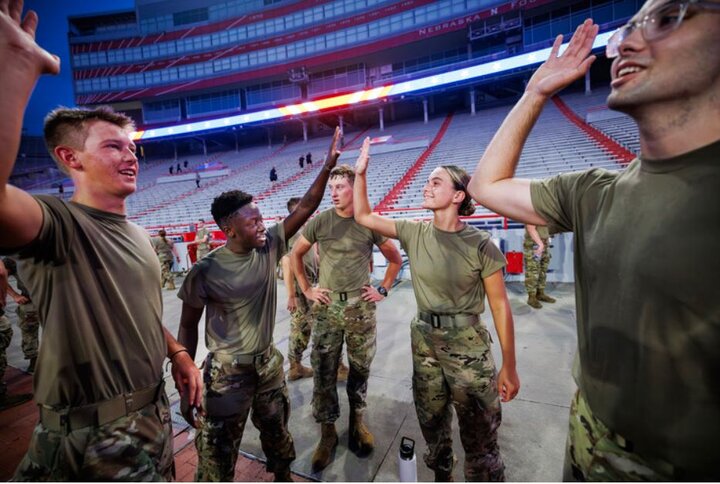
[[493, 184], [23, 62], [312, 198]]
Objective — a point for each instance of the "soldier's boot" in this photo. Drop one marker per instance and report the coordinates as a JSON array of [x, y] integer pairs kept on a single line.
[[283, 475], [541, 296], [444, 476], [343, 372], [298, 371], [532, 301], [171, 285], [360, 440], [326, 447], [31, 366], [9, 401]]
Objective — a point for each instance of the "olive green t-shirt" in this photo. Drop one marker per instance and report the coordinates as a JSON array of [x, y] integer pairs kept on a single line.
[[542, 231], [309, 263], [95, 281], [163, 248], [345, 250], [239, 292], [648, 304], [448, 267]]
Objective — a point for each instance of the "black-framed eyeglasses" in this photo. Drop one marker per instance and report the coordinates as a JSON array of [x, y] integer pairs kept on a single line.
[[657, 23]]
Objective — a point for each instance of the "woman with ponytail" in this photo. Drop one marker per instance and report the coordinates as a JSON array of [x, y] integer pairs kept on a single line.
[[453, 267]]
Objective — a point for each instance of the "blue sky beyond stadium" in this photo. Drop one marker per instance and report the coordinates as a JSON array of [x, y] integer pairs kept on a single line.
[[52, 91]]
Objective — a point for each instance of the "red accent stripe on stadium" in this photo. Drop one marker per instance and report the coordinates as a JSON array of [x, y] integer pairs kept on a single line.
[[348, 53], [619, 153], [242, 48]]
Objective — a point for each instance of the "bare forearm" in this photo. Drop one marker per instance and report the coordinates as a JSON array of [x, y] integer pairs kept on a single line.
[[17, 85], [173, 345], [532, 230], [361, 204], [502, 154], [504, 325], [288, 276], [298, 270]]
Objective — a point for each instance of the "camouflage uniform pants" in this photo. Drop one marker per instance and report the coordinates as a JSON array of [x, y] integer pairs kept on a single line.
[[202, 252], [231, 391], [6, 334], [595, 453], [166, 275], [454, 366], [300, 329], [535, 270], [29, 324], [137, 447], [353, 321]]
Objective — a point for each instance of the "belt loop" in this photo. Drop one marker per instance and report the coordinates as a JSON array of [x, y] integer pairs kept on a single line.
[[435, 321]]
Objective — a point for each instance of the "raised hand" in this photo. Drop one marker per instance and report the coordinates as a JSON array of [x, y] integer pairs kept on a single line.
[[333, 153], [559, 71], [17, 39], [363, 157]]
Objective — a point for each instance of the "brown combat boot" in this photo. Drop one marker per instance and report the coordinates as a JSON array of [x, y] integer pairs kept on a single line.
[[326, 447], [298, 371], [532, 301], [541, 296], [283, 475], [360, 440], [444, 476], [31, 366], [343, 372], [171, 286]]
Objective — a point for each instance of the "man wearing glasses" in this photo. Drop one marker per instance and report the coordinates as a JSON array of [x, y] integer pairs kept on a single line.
[[648, 311]]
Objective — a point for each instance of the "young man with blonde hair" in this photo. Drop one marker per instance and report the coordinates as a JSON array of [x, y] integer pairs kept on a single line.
[[96, 282], [344, 309]]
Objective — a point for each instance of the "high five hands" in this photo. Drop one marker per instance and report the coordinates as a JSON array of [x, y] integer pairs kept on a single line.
[[363, 158], [17, 40], [560, 70], [333, 152]]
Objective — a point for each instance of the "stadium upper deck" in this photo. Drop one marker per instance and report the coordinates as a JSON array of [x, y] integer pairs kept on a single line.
[[169, 61]]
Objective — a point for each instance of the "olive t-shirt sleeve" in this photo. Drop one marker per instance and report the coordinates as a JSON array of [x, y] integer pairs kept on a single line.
[[56, 234], [311, 229], [194, 291], [556, 199], [404, 230], [491, 259]]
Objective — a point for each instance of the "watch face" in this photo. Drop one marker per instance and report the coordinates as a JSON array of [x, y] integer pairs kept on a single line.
[[382, 291]]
